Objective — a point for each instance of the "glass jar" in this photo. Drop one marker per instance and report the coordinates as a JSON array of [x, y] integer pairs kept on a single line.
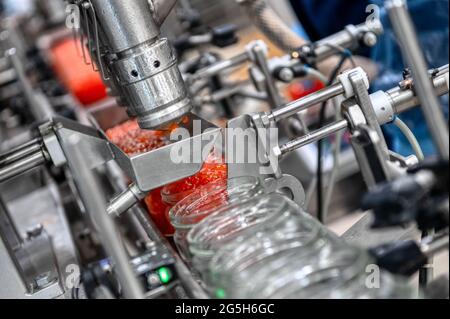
[[207, 200], [133, 140], [293, 277], [242, 219], [335, 271], [299, 233], [213, 170], [388, 286]]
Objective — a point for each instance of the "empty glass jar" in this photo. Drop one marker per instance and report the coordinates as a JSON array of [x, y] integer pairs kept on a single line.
[[299, 234], [243, 219], [268, 248], [209, 199], [335, 272]]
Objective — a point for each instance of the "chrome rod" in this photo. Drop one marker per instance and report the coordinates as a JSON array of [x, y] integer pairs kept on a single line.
[[404, 100], [22, 165], [313, 136], [294, 107], [219, 67], [20, 152]]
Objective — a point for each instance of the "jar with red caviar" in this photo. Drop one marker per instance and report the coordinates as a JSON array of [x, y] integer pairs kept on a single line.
[[133, 140], [213, 170]]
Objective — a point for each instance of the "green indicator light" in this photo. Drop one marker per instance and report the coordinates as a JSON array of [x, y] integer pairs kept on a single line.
[[165, 274], [220, 294]]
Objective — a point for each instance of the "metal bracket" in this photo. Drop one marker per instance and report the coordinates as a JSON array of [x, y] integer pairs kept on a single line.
[[359, 84], [260, 142], [369, 154]]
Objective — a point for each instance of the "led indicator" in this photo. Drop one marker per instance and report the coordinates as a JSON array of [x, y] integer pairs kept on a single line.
[[165, 275], [220, 294]]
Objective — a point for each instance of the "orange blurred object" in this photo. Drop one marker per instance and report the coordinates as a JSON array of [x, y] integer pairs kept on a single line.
[[133, 140], [303, 88], [78, 77]]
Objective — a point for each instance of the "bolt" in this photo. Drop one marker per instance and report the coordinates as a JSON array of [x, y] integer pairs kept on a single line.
[[286, 75], [370, 39], [153, 280], [86, 5]]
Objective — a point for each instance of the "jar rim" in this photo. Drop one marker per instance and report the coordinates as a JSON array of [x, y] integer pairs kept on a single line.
[[236, 213], [186, 212]]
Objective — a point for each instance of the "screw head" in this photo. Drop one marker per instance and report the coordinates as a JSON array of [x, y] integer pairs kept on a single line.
[[370, 39], [286, 75]]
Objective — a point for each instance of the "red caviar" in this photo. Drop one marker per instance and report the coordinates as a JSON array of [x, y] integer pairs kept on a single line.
[[133, 140]]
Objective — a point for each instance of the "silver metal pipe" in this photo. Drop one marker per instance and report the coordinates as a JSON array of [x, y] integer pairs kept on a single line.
[[347, 39], [271, 88], [90, 191], [404, 100], [306, 102], [219, 67], [130, 197], [22, 165], [20, 152], [141, 62], [126, 24], [314, 136], [406, 35]]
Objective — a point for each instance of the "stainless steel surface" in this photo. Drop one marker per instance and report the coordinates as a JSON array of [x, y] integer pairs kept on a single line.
[[403, 100], [126, 24], [306, 102], [370, 155], [90, 191], [347, 39], [260, 56], [12, 282], [219, 67], [314, 136], [365, 103], [43, 206], [123, 202], [144, 65], [154, 237], [22, 165], [20, 152], [166, 169], [405, 32]]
